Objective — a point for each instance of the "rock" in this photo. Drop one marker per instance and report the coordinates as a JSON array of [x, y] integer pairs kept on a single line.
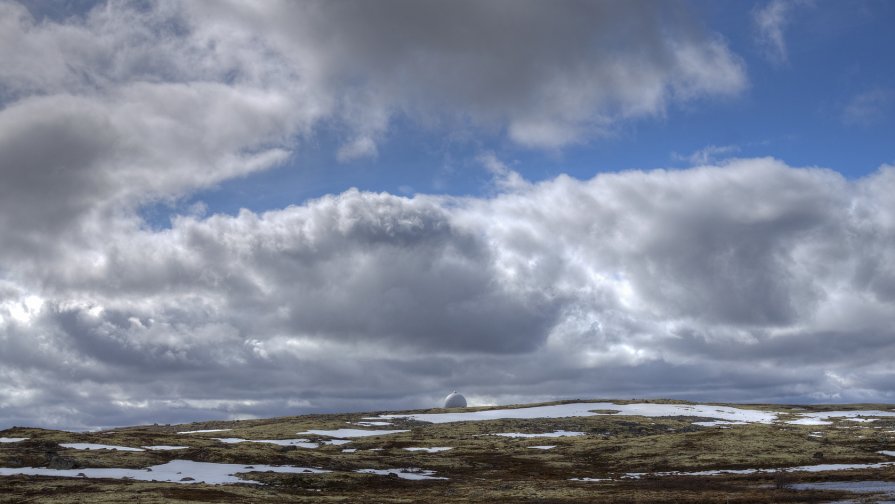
[[188, 478], [57, 462]]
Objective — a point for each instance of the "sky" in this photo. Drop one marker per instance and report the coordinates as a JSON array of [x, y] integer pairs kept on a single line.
[[228, 209]]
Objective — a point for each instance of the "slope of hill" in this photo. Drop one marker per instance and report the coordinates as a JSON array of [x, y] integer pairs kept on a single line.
[[571, 451]]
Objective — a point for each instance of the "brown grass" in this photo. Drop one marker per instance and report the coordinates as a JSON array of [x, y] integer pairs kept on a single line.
[[481, 467]]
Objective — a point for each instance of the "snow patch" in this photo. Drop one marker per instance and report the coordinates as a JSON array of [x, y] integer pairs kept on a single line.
[[409, 473], [719, 423], [587, 409], [12, 439], [559, 433], [809, 421], [808, 468], [887, 487], [204, 430], [822, 417], [176, 471], [352, 433], [93, 446], [435, 449], [302, 443]]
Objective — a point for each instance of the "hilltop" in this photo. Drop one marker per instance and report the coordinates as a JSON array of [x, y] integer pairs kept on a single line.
[[568, 451]]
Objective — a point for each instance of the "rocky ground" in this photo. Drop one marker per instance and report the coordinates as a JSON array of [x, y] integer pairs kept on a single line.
[[616, 457]]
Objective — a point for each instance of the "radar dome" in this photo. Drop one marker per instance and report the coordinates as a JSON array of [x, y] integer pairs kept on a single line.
[[455, 400]]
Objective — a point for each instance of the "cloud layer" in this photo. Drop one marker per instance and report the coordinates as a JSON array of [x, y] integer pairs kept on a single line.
[[131, 103], [749, 280]]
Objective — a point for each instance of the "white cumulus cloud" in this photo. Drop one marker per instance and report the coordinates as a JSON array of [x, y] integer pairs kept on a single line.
[[753, 280]]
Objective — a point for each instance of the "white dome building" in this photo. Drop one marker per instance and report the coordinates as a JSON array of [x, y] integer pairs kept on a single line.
[[454, 400]]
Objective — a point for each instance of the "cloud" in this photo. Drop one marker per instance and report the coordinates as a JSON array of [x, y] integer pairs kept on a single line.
[[132, 103], [748, 280], [710, 154], [362, 147], [115, 109], [752, 280], [546, 74], [504, 178], [73, 161], [869, 107], [770, 22]]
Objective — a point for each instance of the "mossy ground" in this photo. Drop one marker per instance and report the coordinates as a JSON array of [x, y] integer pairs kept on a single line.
[[480, 466]]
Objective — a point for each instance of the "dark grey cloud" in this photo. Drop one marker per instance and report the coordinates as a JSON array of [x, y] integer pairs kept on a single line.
[[354, 267], [550, 74]]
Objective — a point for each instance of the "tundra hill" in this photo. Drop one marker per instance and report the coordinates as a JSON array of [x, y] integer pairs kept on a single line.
[[566, 451]]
